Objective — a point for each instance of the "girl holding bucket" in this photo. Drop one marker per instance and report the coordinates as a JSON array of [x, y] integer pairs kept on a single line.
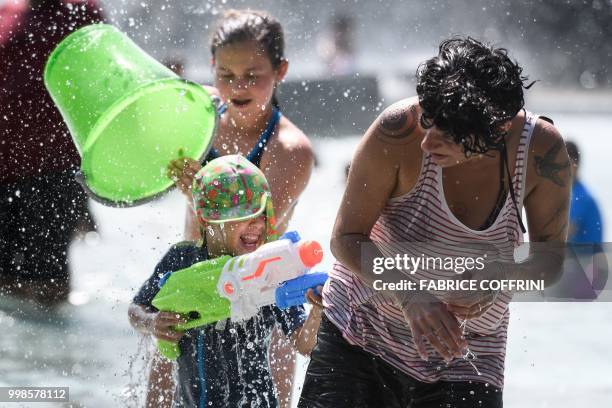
[[248, 60]]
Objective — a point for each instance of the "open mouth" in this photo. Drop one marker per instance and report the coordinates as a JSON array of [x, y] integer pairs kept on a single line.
[[250, 241], [240, 103]]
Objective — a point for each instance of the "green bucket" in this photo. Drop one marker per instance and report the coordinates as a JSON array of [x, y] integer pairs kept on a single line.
[[128, 115]]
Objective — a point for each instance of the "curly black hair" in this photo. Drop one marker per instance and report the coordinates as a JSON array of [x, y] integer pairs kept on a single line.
[[468, 91]]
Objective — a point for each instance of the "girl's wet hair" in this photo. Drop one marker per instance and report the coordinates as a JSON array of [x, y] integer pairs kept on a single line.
[[469, 90], [236, 26]]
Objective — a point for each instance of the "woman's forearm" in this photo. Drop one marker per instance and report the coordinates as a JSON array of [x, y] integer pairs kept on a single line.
[[348, 250], [542, 264]]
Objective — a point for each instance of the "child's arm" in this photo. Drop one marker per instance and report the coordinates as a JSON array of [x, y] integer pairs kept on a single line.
[[305, 338], [157, 324], [281, 355], [160, 390], [182, 171]]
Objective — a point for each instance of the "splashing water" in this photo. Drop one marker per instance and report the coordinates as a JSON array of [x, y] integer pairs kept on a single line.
[[139, 364], [469, 355]]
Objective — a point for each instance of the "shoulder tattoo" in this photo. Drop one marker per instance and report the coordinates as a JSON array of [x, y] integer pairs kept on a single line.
[[398, 124]]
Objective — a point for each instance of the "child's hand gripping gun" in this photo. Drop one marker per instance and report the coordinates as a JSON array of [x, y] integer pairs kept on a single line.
[[274, 273], [192, 293]]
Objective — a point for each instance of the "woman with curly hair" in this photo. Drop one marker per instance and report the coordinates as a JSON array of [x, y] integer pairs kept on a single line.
[[452, 166]]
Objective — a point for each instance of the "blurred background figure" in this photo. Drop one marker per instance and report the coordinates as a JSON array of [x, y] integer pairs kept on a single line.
[[41, 204], [176, 63], [585, 217], [336, 49]]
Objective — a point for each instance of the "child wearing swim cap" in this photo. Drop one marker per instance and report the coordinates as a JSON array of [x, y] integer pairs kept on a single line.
[[248, 62], [225, 363]]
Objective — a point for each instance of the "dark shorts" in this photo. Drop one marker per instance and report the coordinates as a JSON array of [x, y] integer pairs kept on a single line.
[[38, 218], [342, 375]]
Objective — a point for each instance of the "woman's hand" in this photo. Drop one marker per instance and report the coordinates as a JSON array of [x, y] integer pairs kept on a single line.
[[182, 171], [429, 319], [471, 305]]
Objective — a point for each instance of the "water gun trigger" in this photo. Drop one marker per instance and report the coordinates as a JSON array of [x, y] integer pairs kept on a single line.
[[193, 315]]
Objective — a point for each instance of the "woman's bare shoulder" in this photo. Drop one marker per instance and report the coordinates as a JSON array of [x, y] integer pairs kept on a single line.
[[399, 122], [289, 146], [393, 142], [548, 160]]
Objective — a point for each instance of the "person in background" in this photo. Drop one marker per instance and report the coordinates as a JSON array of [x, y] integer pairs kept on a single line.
[[584, 217], [176, 63], [337, 48], [41, 204], [585, 230]]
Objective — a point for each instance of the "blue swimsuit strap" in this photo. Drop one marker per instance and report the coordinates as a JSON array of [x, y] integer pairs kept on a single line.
[[257, 150]]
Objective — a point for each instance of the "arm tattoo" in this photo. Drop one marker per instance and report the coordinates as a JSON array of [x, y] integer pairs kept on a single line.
[[558, 212], [550, 237], [398, 124], [555, 226], [547, 168]]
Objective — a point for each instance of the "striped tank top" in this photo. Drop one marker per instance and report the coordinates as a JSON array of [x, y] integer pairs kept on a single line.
[[372, 322]]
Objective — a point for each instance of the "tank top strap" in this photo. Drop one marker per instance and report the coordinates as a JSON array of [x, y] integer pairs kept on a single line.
[[256, 152], [254, 156], [520, 172], [426, 180]]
